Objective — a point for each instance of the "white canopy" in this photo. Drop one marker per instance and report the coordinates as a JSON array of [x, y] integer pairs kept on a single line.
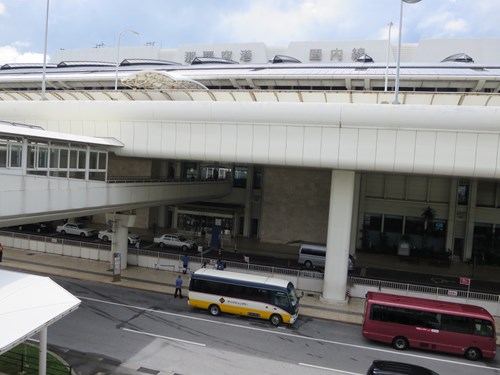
[[28, 304]]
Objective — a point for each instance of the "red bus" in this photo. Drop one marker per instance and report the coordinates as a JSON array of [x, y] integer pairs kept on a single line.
[[410, 322]]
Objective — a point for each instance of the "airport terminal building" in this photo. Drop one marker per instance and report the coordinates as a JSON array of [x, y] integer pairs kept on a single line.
[[303, 143]]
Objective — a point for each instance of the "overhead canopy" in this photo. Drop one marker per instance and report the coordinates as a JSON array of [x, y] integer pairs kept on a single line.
[[28, 304]]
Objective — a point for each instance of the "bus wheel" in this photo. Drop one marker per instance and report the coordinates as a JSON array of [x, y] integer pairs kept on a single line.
[[473, 354], [214, 310], [276, 320], [400, 343], [308, 264]]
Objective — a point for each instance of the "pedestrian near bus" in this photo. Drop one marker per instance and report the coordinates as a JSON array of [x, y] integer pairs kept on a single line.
[[1, 252], [185, 263], [178, 287]]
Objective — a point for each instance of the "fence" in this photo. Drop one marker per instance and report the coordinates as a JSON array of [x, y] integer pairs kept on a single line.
[[309, 281]]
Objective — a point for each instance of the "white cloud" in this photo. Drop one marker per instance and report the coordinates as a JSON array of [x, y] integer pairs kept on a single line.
[[279, 22], [9, 54], [2, 8], [457, 26]]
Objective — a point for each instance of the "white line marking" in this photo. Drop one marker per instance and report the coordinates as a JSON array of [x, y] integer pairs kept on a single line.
[[162, 337], [399, 353], [329, 369]]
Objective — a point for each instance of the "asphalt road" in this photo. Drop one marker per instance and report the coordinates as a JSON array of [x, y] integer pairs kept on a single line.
[[119, 330]]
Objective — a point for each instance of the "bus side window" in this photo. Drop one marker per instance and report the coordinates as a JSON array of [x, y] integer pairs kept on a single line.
[[281, 299], [483, 328]]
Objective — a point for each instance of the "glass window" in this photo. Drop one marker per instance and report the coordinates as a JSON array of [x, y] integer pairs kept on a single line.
[[3, 155], [93, 160], [54, 158], [73, 159], [63, 158], [82, 159], [240, 176], [102, 160], [16, 156], [463, 193], [281, 299], [31, 156], [43, 157]]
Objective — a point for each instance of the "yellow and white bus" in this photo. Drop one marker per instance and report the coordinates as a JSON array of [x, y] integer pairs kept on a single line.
[[242, 294]]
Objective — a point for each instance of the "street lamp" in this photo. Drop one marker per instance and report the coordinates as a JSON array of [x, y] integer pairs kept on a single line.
[[118, 54], [388, 54], [396, 89], [44, 70]]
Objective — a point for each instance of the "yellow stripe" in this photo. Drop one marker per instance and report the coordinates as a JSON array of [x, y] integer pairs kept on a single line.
[[237, 310]]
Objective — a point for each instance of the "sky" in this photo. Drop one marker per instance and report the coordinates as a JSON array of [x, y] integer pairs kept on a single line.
[[77, 24]]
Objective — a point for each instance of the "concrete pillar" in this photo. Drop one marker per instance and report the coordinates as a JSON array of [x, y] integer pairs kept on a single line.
[[339, 233], [247, 221], [175, 217], [355, 230], [42, 352], [452, 208], [471, 219], [162, 212], [121, 224]]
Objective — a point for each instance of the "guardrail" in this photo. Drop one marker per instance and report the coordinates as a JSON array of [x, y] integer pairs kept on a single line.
[[306, 280]]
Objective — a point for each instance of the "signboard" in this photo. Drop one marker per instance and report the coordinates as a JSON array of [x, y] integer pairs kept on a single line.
[[464, 281]]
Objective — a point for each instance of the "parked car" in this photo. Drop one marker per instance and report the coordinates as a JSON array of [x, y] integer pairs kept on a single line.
[[175, 240], [36, 227], [397, 368], [76, 229], [107, 235]]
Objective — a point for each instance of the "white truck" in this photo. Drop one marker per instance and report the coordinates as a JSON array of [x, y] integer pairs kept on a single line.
[[76, 229]]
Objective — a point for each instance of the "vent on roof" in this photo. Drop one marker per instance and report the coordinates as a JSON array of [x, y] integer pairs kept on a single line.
[[128, 62], [364, 59], [67, 64], [26, 66], [282, 59], [211, 60], [459, 57]]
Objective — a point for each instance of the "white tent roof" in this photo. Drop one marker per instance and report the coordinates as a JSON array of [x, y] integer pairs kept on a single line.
[[29, 304]]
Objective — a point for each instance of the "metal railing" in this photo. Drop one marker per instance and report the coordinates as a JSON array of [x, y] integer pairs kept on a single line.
[[425, 289]]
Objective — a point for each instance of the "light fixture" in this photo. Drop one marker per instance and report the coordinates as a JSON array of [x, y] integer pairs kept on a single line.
[[396, 88], [118, 54]]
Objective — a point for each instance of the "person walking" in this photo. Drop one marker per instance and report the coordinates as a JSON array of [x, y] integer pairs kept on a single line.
[[185, 263], [1, 252], [178, 287]]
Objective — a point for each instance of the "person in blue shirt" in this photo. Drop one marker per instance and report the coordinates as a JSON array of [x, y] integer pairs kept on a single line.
[[185, 263], [178, 287]]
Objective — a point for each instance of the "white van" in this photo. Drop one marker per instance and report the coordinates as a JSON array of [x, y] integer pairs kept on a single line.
[[313, 256]]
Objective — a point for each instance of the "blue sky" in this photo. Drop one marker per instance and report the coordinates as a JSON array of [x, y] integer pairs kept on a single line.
[[75, 24]]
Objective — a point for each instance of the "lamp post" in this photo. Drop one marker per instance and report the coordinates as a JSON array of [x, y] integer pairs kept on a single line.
[[396, 88], [388, 54], [118, 54], [44, 70]]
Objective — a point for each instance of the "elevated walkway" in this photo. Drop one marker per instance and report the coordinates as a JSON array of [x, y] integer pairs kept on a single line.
[[46, 198]]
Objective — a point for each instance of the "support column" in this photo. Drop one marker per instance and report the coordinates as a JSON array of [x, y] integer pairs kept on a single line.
[[247, 220], [471, 220], [42, 352], [339, 233], [121, 224], [450, 225]]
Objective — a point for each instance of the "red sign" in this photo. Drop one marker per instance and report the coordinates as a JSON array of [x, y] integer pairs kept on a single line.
[[464, 281]]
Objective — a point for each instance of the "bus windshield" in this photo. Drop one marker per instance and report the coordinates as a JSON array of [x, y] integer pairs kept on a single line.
[[292, 293]]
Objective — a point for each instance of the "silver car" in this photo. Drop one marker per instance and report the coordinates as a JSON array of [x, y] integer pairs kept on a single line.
[[175, 240]]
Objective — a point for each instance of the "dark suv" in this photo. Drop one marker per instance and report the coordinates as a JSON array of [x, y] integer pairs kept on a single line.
[[397, 368]]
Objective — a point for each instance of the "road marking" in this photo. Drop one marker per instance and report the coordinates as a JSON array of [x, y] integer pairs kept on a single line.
[[276, 332], [329, 369], [162, 337]]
